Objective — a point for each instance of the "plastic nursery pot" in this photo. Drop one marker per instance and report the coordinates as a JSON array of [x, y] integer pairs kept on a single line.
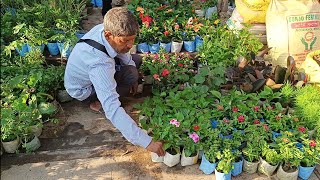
[[266, 168], [11, 146], [33, 145], [200, 12], [171, 159], [23, 50], [214, 123], [53, 48], [36, 130], [237, 168], [65, 50], [189, 46], [133, 50], [275, 135], [282, 175], [199, 43], [154, 48], [176, 46], [166, 46], [156, 158], [187, 161], [31, 48], [250, 167], [305, 172], [207, 167], [143, 48], [210, 11], [222, 176], [97, 3]]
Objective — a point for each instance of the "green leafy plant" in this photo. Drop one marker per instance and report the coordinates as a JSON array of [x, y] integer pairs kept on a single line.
[[271, 154], [226, 158], [311, 151]]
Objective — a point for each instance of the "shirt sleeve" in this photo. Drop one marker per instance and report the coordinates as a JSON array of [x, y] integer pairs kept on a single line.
[[126, 59], [101, 75]]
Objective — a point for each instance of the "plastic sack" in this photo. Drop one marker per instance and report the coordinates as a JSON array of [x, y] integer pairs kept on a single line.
[[305, 172], [207, 167], [282, 175], [237, 168], [250, 167], [265, 168], [176, 46], [171, 160], [166, 46], [156, 158], [187, 161], [53, 48], [253, 11], [311, 67], [143, 48], [222, 176], [293, 28]]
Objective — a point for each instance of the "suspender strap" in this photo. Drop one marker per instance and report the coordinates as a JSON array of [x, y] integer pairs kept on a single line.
[[100, 47]]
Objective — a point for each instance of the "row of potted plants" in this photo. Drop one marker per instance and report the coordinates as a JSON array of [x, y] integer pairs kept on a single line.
[[240, 131]]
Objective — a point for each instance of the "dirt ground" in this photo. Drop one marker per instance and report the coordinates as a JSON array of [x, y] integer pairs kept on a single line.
[[85, 145]]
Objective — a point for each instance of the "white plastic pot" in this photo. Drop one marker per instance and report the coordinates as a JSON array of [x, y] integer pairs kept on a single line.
[[11, 146], [156, 158], [250, 167], [33, 145], [176, 46], [187, 161], [282, 175], [133, 50], [210, 11], [266, 168], [171, 160]]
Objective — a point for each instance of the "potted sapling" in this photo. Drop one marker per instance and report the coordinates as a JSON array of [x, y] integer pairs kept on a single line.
[[251, 154], [311, 158], [177, 41], [270, 159], [9, 138], [190, 151], [224, 166]]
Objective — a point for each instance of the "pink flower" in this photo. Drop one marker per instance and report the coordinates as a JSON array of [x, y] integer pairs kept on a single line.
[[256, 121], [156, 56], [241, 119], [166, 33], [235, 109], [176, 27], [256, 108], [175, 122], [194, 136], [180, 65], [156, 77], [302, 129], [313, 143]]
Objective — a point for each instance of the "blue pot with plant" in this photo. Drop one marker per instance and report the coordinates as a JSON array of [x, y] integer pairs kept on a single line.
[[143, 47], [214, 123], [224, 166], [166, 46], [199, 43], [189, 46], [64, 49], [154, 48], [53, 48], [23, 50], [31, 48], [305, 172], [206, 166], [237, 167]]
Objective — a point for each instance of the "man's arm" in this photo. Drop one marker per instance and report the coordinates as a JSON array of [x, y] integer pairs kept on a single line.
[[102, 77], [126, 59]]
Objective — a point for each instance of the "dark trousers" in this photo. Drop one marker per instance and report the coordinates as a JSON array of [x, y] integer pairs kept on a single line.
[[125, 78], [106, 6]]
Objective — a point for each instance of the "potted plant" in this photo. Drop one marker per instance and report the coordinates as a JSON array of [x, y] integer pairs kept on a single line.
[[291, 157], [9, 137], [226, 129], [269, 160], [311, 158], [251, 155], [190, 151], [142, 39], [224, 166], [30, 142], [177, 41], [189, 35], [166, 38], [237, 163]]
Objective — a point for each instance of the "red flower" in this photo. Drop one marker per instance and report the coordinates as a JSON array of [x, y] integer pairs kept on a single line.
[[278, 118], [226, 120], [165, 72], [235, 109], [302, 129], [156, 77], [196, 128], [141, 15], [313, 143], [166, 33], [256, 108], [241, 119], [146, 19], [220, 108], [256, 121], [180, 65], [266, 127]]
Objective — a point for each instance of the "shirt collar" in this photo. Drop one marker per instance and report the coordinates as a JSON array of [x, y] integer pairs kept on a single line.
[[112, 53]]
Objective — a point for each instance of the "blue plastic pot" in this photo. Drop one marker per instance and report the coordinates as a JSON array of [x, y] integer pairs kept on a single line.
[[53, 48], [23, 51], [225, 137], [80, 34], [207, 167], [262, 120], [166, 46], [13, 11], [64, 51], [299, 146], [214, 123], [222, 176], [189, 46], [275, 135], [237, 168], [97, 3], [305, 172], [199, 43], [31, 48], [143, 48], [154, 48]]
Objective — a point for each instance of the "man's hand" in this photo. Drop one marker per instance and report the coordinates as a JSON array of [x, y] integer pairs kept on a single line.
[[134, 88], [156, 147]]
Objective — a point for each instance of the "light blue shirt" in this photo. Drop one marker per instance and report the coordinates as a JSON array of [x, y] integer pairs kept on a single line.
[[88, 66]]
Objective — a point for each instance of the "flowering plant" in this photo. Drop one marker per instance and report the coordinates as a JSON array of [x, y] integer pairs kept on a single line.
[[240, 120], [311, 153], [258, 133], [290, 155], [177, 33], [166, 33], [211, 144], [225, 127], [191, 144]]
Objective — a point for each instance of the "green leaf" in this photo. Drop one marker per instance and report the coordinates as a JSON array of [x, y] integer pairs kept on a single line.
[[46, 108], [199, 79]]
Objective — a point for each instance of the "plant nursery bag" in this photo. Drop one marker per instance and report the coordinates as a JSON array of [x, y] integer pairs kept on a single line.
[[253, 11], [293, 28], [311, 67]]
